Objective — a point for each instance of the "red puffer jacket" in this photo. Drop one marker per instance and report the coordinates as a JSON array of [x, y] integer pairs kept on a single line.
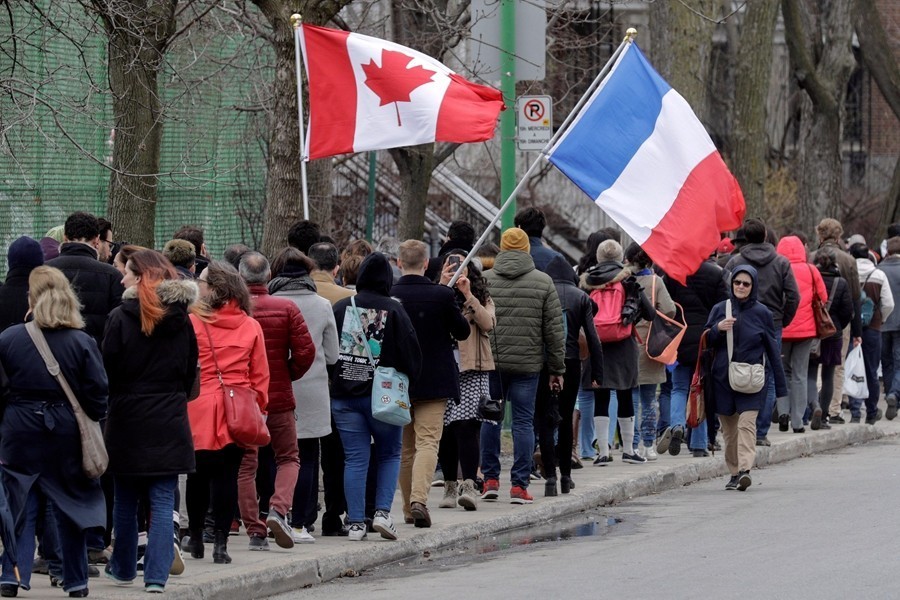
[[809, 280], [289, 347]]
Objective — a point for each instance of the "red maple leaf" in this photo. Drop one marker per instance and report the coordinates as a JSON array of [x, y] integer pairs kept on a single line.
[[393, 81]]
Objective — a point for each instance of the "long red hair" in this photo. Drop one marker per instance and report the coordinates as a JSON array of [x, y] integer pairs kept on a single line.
[[153, 268]]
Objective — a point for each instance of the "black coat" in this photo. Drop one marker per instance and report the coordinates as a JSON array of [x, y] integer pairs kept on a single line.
[[14, 298], [147, 431], [98, 285], [578, 310], [754, 337], [39, 441], [437, 319], [841, 308], [704, 289]]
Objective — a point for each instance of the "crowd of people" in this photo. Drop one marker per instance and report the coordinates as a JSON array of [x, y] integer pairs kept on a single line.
[[164, 348]]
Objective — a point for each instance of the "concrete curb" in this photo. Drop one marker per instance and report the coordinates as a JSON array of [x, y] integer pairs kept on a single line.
[[253, 582]]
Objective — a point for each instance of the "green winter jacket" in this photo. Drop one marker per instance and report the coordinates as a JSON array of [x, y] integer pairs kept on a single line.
[[529, 316]]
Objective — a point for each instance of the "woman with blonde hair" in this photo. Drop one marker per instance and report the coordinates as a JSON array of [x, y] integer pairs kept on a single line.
[[40, 446], [150, 353]]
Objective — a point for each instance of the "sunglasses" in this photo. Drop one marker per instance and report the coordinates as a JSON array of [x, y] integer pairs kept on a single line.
[[740, 283]]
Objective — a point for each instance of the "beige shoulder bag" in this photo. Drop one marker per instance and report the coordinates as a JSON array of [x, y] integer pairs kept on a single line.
[[745, 378]]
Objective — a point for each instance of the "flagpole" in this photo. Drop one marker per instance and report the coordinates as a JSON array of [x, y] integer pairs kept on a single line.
[[629, 37], [297, 21]]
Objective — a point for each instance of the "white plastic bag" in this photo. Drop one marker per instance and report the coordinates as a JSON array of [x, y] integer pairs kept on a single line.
[[855, 375]]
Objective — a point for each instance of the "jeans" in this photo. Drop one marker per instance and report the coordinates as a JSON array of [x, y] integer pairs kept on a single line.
[[520, 390], [795, 356], [665, 402], [871, 349], [25, 543], [160, 550], [332, 459], [356, 426], [764, 418], [586, 433], [490, 450], [681, 386], [890, 362], [419, 450], [644, 397]]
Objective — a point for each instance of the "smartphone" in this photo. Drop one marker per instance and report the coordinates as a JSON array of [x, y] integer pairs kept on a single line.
[[455, 260]]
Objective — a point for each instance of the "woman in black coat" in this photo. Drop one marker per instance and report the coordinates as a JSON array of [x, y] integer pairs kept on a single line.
[[40, 446], [150, 353], [754, 343]]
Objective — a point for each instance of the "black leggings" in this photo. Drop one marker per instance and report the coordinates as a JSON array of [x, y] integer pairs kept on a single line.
[[558, 452], [460, 446], [216, 478], [601, 403], [304, 510]]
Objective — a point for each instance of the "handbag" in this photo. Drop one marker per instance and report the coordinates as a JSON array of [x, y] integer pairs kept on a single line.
[[665, 333], [815, 349], [745, 378], [94, 458], [246, 423], [490, 408], [825, 327], [390, 387], [696, 406]]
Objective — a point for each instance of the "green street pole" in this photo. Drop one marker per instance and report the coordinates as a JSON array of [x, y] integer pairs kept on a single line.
[[508, 116], [370, 202]]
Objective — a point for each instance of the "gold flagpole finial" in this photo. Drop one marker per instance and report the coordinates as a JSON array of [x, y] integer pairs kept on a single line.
[[296, 20], [630, 34]]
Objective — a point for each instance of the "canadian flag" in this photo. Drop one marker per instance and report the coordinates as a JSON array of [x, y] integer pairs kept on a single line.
[[371, 94]]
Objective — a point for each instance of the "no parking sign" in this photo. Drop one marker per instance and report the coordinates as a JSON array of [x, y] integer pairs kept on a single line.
[[534, 122]]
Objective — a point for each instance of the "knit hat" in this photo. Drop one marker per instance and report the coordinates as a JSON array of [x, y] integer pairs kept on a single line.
[[56, 233], [50, 247], [515, 239], [25, 253], [609, 250], [856, 239], [180, 253]]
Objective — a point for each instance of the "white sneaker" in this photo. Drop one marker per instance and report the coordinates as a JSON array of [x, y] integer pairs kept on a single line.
[[177, 567], [356, 532], [650, 453], [384, 524], [302, 536]]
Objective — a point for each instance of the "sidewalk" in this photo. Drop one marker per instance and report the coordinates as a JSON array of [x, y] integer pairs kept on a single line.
[[263, 574]]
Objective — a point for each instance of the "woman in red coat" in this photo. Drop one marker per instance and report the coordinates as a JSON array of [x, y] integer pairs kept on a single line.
[[231, 339], [797, 337]]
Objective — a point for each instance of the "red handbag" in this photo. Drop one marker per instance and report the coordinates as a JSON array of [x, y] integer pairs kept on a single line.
[[696, 406], [246, 423]]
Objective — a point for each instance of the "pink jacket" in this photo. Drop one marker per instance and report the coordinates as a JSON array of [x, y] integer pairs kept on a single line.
[[809, 281], [241, 354]]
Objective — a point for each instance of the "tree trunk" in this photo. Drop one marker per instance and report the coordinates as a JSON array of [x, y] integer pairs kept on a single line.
[[750, 144], [818, 39], [137, 37], [415, 164]]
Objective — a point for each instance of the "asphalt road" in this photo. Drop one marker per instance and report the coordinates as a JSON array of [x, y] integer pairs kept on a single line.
[[818, 528]]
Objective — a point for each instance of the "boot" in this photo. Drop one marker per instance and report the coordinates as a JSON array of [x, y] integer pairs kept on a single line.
[[450, 495], [550, 487], [220, 548], [468, 495], [565, 484], [194, 544]]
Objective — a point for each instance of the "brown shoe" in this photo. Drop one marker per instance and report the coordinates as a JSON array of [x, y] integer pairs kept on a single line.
[[420, 515]]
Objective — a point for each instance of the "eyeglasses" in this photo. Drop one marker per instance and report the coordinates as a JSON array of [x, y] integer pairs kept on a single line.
[[741, 283]]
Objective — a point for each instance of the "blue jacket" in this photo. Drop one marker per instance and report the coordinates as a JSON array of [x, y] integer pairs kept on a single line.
[[754, 335], [541, 254]]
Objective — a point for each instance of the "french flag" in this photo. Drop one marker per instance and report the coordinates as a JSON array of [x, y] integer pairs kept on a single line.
[[371, 94], [639, 151]]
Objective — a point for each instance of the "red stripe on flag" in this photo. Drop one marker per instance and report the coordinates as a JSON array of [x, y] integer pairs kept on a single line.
[[709, 202], [332, 92], [468, 112]]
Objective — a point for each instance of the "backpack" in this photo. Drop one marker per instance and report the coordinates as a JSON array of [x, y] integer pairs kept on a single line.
[[866, 306], [608, 321]]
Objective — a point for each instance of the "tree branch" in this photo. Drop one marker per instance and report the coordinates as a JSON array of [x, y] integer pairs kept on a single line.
[[798, 44], [876, 52]]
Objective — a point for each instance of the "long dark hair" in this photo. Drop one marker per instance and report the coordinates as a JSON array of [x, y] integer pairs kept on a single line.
[[476, 280], [589, 258]]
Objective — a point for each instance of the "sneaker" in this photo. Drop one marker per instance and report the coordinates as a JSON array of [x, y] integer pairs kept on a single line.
[[891, 412], [467, 495], [576, 462], [520, 495], [101, 557], [602, 461], [665, 438], [450, 495], [784, 421], [744, 481], [120, 582], [302, 536], [9, 590], [535, 476], [874, 418], [650, 453], [635, 459], [854, 419], [800, 430], [700, 453], [677, 438], [284, 534], [356, 532], [82, 593], [235, 529], [836, 419], [491, 490], [177, 567], [154, 588], [732, 483], [763, 441], [816, 422], [384, 524], [259, 543]]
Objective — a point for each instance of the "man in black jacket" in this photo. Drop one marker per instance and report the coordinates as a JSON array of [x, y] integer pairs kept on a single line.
[[437, 320], [98, 285]]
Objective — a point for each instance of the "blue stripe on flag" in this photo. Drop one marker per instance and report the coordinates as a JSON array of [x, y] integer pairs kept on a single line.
[[612, 126]]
